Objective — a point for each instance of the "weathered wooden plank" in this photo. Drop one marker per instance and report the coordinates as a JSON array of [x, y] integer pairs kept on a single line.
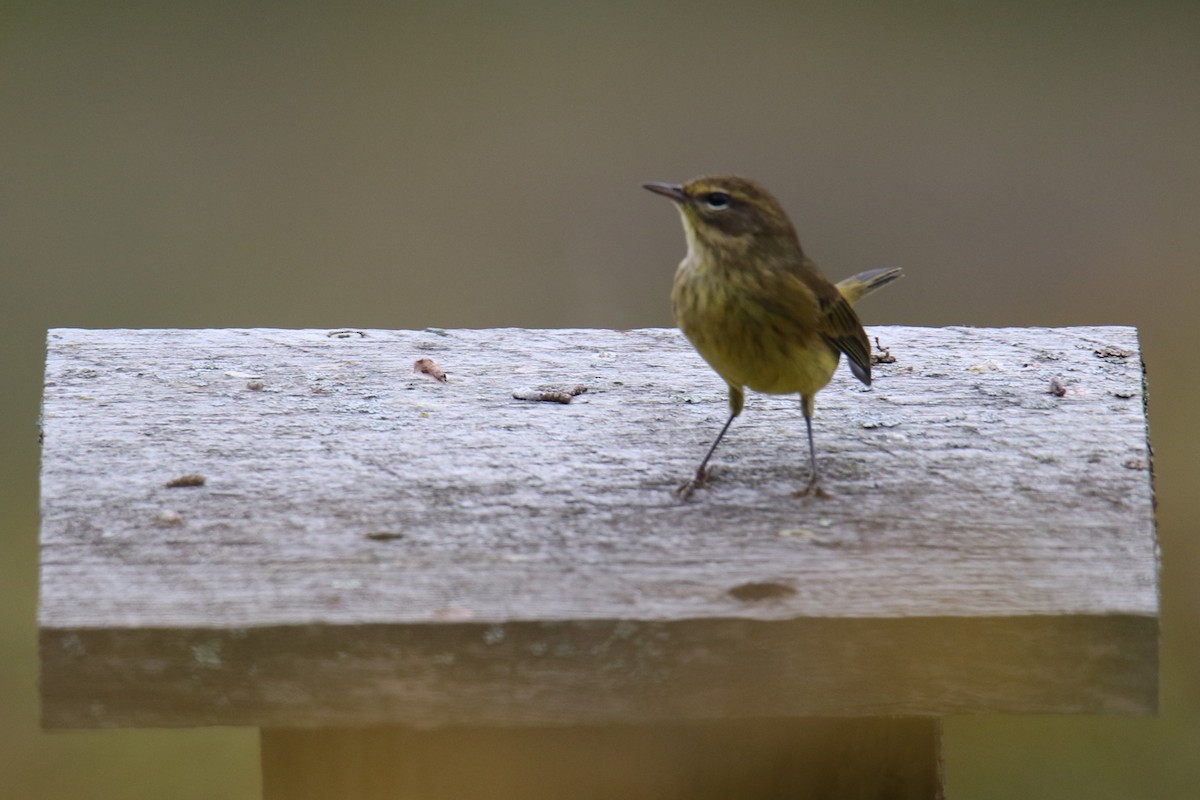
[[353, 511]]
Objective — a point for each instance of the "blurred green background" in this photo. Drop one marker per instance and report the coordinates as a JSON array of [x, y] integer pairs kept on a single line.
[[474, 164]]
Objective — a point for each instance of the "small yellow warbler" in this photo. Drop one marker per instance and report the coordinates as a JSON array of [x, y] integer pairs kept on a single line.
[[756, 308]]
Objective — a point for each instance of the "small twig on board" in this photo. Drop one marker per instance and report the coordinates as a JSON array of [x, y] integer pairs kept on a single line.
[[429, 367], [884, 356], [549, 395]]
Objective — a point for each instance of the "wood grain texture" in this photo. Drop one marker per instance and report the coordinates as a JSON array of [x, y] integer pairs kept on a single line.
[[373, 546]]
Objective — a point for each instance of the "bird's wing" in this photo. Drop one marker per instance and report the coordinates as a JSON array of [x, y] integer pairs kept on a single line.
[[841, 328]]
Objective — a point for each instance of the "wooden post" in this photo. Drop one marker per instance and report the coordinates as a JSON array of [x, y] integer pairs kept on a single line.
[[775, 758], [435, 588]]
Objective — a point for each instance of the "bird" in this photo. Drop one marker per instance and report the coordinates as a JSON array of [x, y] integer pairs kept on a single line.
[[757, 309]]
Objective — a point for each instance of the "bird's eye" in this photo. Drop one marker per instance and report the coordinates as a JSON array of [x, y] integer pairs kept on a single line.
[[717, 200]]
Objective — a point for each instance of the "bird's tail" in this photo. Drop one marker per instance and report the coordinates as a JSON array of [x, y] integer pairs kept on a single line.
[[859, 286]]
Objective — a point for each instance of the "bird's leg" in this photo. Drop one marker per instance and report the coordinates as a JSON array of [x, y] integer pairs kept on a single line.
[[700, 479], [737, 399], [813, 487]]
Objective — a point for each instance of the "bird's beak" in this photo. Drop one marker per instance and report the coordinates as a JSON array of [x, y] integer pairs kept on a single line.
[[671, 190]]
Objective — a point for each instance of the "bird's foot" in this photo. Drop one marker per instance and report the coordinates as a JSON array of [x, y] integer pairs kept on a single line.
[[698, 481], [813, 488]]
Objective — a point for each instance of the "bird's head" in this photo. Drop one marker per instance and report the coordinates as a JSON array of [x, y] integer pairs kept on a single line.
[[729, 215]]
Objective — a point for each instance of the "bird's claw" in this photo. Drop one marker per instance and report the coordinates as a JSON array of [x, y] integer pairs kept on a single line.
[[813, 489], [698, 481]]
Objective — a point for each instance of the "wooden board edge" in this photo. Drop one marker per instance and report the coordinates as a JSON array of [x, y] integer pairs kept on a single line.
[[597, 672]]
